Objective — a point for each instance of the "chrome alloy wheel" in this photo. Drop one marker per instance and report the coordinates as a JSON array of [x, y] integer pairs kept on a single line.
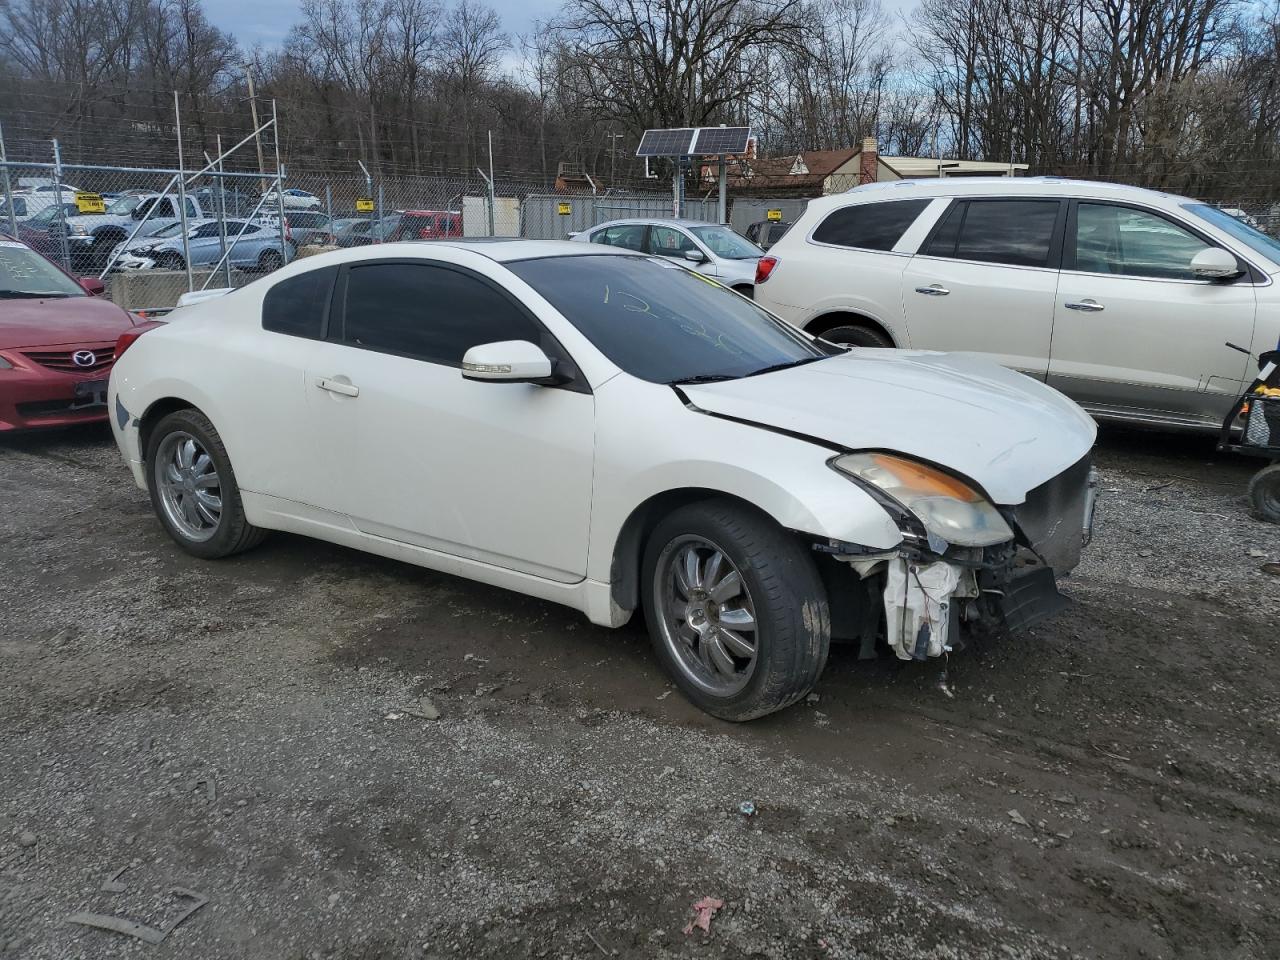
[[708, 621], [190, 491]]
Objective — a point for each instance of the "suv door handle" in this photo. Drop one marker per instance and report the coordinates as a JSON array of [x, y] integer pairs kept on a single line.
[[1086, 306], [933, 290], [337, 386]]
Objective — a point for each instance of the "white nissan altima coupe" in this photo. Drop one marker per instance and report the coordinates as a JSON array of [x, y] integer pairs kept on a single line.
[[612, 431]]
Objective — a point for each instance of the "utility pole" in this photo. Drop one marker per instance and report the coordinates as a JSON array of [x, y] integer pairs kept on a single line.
[[257, 136]]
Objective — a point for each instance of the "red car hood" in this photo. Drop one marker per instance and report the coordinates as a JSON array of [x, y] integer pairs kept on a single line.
[[58, 320]]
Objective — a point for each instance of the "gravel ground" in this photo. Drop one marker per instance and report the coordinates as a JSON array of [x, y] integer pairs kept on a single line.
[[1105, 787]]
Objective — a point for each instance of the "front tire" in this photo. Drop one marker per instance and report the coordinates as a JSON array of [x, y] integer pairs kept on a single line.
[[193, 488], [736, 610], [1264, 493], [857, 336]]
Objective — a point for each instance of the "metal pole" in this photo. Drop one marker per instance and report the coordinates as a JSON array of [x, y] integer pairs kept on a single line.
[[328, 205], [8, 191], [380, 213], [182, 196], [257, 130], [62, 214], [275, 135], [222, 215], [492, 192], [724, 192], [368, 192]]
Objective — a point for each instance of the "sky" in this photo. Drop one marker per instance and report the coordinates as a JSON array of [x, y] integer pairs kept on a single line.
[[268, 21]]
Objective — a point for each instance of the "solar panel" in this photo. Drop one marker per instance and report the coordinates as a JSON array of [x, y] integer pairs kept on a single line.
[[720, 141], [666, 143]]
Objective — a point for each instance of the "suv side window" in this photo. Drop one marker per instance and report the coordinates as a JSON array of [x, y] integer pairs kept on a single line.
[[669, 242], [1133, 243], [297, 306], [1015, 232], [429, 312], [869, 226]]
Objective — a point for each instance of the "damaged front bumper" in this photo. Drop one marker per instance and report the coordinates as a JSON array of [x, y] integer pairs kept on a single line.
[[933, 595]]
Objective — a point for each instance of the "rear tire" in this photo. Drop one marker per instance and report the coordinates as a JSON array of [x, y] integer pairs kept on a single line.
[[736, 609], [857, 336], [193, 488], [269, 260], [1264, 493]]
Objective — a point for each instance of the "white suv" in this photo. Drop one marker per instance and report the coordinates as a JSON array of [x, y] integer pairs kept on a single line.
[[1124, 299]]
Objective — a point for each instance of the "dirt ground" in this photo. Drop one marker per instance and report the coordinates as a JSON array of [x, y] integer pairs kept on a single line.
[[1108, 786]]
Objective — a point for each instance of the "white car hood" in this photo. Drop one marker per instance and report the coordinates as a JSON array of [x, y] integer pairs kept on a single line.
[[1001, 429]]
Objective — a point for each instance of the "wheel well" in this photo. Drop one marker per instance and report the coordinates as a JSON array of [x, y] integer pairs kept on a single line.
[[628, 551], [154, 414], [746, 289], [829, 321]]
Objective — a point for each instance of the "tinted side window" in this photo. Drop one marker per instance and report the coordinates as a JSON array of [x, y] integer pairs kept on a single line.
[[1133, 243], [296, 306], [1016, 232], [429, 312], [629, 236], [870, 226]]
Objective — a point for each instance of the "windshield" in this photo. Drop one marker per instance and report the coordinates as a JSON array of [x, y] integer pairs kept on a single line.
[[1255, 239], [123, 206], [723, 242], [24, 272], [49, 214], [663, 323]]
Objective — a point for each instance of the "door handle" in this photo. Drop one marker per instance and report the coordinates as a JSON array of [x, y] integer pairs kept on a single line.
[[933, 290], [1086, 306], [337, 386]]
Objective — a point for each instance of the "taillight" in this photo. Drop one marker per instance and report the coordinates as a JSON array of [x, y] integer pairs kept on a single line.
[[424, 233], [126, 339], [764, 268]]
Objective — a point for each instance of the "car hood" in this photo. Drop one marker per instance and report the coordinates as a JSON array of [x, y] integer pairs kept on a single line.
[[1001, 429], [42, 323]]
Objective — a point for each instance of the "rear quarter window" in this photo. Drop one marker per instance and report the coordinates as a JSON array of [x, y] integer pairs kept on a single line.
[[297, 306], [869, 226]]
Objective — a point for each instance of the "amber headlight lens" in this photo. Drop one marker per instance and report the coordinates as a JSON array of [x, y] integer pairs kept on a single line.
[[948, 508]]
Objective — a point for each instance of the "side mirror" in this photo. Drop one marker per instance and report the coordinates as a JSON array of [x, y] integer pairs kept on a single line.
[[93, 286], [1214, 263], [695, 256], [508, 361]]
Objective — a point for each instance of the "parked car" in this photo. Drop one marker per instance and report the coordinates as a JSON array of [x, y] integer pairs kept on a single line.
[[91, 237], [765, 233], [359, 232], [711, 249], [250, 246], [295, 199], [307, 227], [1123, 299], [33, 200], [609, 431], [40, 232], [427, 225], [57, 343]]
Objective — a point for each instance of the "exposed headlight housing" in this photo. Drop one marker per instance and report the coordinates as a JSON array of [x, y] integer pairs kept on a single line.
[[947, 507]]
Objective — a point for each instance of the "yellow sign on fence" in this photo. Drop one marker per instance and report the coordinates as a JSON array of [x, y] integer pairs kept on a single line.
[[774, 215], [90, 203], [364, 205], [564, 209]]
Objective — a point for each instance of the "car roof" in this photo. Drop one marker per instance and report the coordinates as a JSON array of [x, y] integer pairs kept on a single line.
[[1000, 186], [656, 222]]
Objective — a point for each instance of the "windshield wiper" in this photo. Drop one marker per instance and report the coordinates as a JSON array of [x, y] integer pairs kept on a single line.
[[30, 294], [702, 378], [784, 366]]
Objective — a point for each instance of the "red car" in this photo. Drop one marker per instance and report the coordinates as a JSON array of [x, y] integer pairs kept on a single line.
[[57, 343], [427, 225]]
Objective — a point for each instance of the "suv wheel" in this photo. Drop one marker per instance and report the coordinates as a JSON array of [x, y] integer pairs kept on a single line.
[[736, 610], [856, 336]]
